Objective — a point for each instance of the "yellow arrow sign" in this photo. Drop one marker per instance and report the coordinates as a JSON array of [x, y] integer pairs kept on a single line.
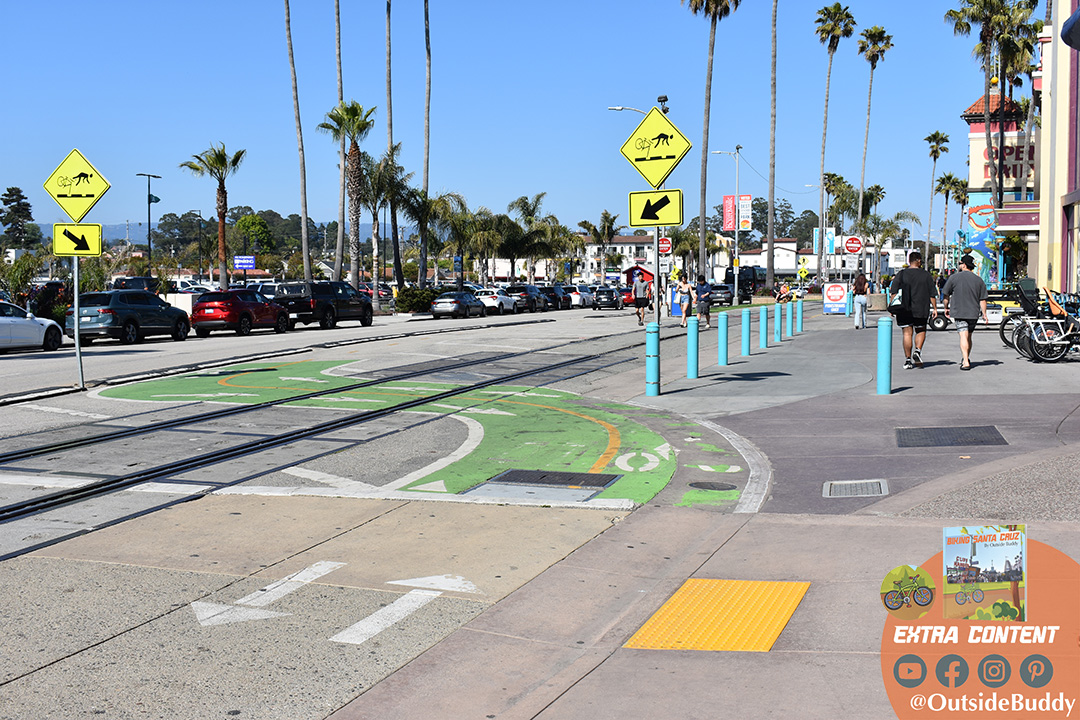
[[655, 148], [654, 208], [72, 239], [76, 185]]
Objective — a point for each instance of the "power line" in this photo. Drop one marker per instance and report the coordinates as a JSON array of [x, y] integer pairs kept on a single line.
[[790, 192]]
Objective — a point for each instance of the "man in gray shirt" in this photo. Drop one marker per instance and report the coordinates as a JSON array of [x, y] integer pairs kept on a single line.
[[965, 301], [642, 296]]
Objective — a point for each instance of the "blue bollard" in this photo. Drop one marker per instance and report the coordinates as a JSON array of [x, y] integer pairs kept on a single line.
[[652, 359], [848, 302], [798, 317], [763, 327], [787, 320], [722, 338], [745, 347], [884, 356], [776, 323], [692, 348]]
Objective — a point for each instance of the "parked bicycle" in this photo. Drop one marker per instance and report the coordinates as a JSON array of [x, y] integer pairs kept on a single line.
[[1047, 338]]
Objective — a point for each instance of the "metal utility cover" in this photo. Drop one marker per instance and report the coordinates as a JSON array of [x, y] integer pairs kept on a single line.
[[855, 488], [555, 479], [949, 436], [713, 486]]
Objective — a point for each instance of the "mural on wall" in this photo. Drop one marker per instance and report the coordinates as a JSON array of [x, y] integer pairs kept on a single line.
[[979, 233]]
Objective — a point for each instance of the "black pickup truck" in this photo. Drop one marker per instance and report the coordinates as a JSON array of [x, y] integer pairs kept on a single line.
[[323, 302]]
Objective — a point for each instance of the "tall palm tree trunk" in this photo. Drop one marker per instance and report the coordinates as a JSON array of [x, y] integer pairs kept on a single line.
[[930, 215], [340, 249], [986, 131], [822, 270], [865, 143], [399, 276], [944, 230], [375, 277], [300, 149], [771, 229], [427, 143], [222, 208], [705, 145], [1028, 123], [354, 215]]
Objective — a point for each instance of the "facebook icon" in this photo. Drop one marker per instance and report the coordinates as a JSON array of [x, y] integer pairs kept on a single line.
[[952, 671]]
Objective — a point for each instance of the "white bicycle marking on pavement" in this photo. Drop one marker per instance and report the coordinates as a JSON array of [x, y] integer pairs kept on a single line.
[[651, 462]]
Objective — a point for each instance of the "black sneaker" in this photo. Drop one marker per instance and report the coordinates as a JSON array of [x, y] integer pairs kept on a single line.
[[908, 365], [916, 357]]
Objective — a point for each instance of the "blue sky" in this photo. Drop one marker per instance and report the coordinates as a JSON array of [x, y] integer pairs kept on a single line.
[[520, 93]]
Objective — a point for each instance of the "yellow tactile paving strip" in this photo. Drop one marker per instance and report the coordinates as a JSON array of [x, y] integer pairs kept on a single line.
[[733, 615]]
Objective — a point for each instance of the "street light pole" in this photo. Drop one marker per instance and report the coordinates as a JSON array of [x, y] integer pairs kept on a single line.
[[737, 269], [656, 230], [149, 200]]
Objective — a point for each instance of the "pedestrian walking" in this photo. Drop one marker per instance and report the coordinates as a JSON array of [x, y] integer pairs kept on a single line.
[[859, 289], [683, 296], [703, 291], [919, 303], [964, 296], [642, 296]]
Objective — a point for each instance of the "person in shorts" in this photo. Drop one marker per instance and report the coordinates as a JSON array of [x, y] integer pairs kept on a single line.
[[964, 296], [919, 304], [642, 295], [703, 292]]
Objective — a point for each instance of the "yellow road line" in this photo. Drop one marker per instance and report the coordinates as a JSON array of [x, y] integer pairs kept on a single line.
[[614, 439]]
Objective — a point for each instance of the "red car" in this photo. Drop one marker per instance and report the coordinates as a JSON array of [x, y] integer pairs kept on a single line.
[[239, 310], [627, 296]]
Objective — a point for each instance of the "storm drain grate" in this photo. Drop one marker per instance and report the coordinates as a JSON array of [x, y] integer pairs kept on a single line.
[[555, 479], [949, 436], [713, 486], [854, 488]]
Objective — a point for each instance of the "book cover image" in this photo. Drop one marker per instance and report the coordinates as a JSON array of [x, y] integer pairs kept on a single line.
[[985, 572]]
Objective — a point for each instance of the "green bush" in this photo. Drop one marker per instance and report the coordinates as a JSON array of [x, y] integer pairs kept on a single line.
[[414, 299]]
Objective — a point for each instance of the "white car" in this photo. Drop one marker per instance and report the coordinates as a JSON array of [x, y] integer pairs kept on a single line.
[[580, 296], [497, 301], [21, 329]]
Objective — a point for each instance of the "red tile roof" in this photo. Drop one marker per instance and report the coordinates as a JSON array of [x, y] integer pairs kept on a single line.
[[976, 110]]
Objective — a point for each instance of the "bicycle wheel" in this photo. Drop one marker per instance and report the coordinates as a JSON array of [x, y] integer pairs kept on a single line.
[[1008, 324], [923, 596], [892, 600], [1022, 341], [1042, 345], [977, 596], [961, 597]]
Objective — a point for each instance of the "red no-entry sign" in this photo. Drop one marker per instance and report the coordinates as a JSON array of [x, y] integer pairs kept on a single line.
[[665, 245], [853, 245]]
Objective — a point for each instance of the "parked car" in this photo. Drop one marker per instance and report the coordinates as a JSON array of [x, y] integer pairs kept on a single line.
[[266, 289], [127, 315], [457, 304], [385, 293], [556, 297], [627, 295], [239, 310], [722, 294], [580, 295], [534, 299], [607, 297], [21, 329], [498, 302], [151, 284], [324, 303]]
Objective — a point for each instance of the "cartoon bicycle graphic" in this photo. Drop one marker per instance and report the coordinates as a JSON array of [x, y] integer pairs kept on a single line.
[[969, 587], [907, 590]]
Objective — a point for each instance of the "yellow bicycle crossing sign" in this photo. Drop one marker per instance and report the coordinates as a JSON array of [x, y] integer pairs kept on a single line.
[[655, 148], [76, 185]]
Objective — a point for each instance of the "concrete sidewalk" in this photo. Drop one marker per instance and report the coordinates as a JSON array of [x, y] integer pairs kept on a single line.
[[554, 649]]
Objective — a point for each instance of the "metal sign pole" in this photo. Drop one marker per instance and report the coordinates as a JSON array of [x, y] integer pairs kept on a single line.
[[75, 326], [656, 274]]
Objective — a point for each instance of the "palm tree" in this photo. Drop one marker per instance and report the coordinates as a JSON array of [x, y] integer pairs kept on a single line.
[[715, 10], [605, 232], [771, 228], [938, 144], [339, 251], [378, 184], [1016, 40], [427, 212], [427, 134], [397, 185], [300, 148], [945, 185], [350, 121], [988, 15], [520, 242], [834, 22], [528, 211], [219, 165], [960, 197], [873, 45], [873, 195]]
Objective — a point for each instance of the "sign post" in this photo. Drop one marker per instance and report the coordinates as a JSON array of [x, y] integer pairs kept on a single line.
[[76, 186]]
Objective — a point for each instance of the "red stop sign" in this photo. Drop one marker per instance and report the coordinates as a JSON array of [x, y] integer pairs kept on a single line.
[[665, 245], [853, 245]]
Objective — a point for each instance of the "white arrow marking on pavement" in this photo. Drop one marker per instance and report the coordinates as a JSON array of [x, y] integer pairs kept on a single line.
[[664, 451], [209, 613], [291, 583], [446, 583], [378, 621], [342, 483], [623, 462], [727, 468], [314, 380], [63, 411], [436, 486]]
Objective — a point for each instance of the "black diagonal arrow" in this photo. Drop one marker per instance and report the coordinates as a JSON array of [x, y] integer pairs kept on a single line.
[[80, 242], [649, 213]]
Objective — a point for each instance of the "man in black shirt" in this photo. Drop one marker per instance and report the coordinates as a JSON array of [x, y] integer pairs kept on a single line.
[[919, 303]]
